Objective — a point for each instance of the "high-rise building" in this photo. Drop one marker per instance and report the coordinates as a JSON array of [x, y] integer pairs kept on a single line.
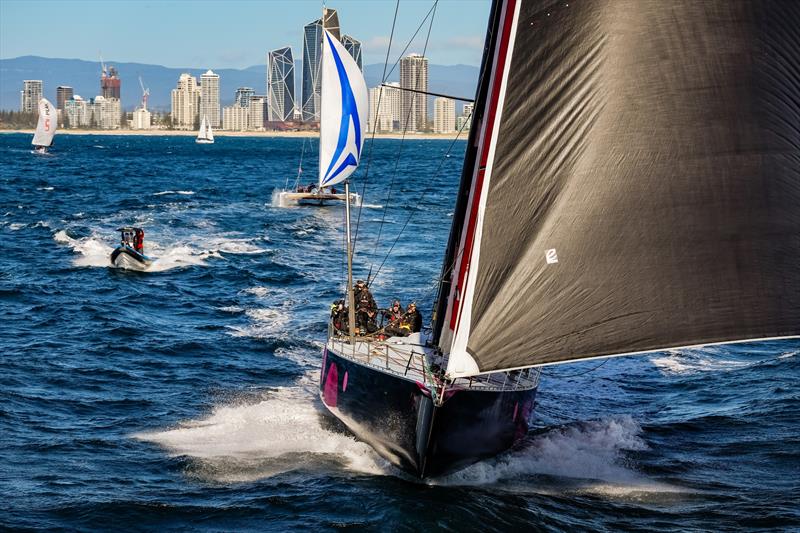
[[235, 118], [280, 84], [353, 46], [30, 95], [384, 108], [76, 112], [63, 93], [141, 119], [467, 113], [312, 60], [185, 102], [209, 98], [258, 112], [243, 96], [106, 113], [414, 106], [444, 115], [110, 84]]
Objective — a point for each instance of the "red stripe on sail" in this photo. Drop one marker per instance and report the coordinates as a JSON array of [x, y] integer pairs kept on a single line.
[[491, 111]]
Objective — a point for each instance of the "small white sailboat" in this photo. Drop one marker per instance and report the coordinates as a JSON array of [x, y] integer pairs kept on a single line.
[[343, 127], [45, 128], [206, 134]]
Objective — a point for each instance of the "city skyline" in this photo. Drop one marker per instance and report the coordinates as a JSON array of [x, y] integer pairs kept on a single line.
[[457, 35]]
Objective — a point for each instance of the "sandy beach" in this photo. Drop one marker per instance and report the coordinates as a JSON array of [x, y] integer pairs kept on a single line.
[[185, 133]]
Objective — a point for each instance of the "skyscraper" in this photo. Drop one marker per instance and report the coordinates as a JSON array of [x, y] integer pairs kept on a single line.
[[444, 115], [353, 46], [280, 84], [384, 108], [30, 95], [185, 102], [209, 98], [312, 59], [63, 93], [110, 84], [414, 106], [243, 96], [258, 108], [468, 109]]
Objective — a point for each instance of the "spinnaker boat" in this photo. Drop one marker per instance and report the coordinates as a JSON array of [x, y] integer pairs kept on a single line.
[[343, 124], [631, 185], [45, 127]]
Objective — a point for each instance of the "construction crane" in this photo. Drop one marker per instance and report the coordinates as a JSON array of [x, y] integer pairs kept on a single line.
[[102, 65], [145, 93]]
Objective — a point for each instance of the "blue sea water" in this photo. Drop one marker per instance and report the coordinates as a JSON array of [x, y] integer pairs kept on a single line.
[[184, 398]]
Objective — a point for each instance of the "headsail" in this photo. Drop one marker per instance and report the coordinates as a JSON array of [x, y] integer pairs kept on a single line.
[[637, 186], [209, 131], [46, 127], [202, 133], [345, 105]]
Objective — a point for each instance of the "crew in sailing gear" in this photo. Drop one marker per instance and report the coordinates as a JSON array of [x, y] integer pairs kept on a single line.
[[393, 314], [339, 316], [412, 319], [366, 310]]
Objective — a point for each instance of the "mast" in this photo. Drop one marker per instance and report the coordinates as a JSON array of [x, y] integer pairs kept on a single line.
[[351, 315], [351, 309], [446, 277]]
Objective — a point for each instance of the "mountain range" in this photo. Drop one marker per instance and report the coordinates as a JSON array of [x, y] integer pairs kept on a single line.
[[84, 77]]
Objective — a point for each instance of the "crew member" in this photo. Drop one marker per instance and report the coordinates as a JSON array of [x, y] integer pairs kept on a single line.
[[366, 310], [138, 241], [339, 317]]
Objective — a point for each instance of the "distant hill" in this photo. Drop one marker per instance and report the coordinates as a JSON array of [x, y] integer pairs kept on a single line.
[[84, 77]]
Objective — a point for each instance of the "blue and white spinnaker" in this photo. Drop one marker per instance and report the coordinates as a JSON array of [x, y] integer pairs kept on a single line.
[[343, 118]]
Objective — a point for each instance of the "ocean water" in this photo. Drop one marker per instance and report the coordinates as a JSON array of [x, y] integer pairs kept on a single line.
[[184, 398]]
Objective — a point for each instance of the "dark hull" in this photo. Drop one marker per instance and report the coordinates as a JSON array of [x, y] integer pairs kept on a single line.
[[131, 256], [399, 419]]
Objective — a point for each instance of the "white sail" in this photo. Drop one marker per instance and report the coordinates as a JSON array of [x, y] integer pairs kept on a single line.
[[202, 133], [209, 132], [343, 120], [46, 127]]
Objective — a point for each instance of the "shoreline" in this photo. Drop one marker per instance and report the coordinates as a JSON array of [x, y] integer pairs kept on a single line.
[[288, 134]]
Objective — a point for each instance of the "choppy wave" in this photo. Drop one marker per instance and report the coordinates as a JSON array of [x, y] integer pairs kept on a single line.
[[692, 361], [582, 457], [95, 252], [183, 193], [254, 440]]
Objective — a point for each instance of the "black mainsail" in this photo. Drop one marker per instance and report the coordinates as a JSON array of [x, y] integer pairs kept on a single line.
[[636, 186]]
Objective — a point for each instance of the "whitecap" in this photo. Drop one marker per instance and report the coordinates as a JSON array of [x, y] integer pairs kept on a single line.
[[184, 193], [279, 432], [231, 309], [694, 361], [585, 457], [92, 251]]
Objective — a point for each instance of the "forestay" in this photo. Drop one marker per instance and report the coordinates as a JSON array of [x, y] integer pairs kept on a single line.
[[639, 186], [343, 120], [46, 127]]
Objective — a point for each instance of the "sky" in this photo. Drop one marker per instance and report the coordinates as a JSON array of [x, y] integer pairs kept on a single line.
[[233, 33]]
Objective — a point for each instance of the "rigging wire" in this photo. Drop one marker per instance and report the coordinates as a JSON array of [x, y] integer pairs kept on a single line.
[[372, 139], [431, 11], [299, 168], [419, 201], [545, 373], [400, 148]]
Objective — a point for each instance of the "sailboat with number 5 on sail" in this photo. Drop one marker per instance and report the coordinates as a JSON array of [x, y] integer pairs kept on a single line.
[[45, 127], [344, 106], [631, 184]]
